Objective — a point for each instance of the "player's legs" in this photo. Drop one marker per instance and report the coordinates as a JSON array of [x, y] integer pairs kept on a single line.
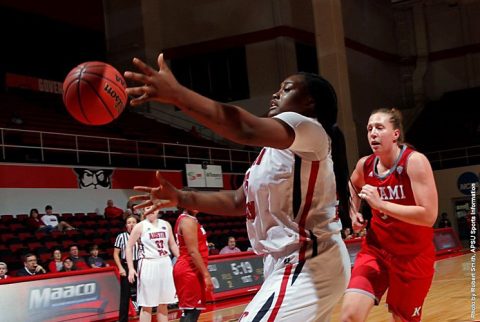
[[272, 296], [410, 282], [190, 315], [190, 288], [155, 282], [330, 272], [162, 313], [145, 314], [302, 292], [124, 299], [367, 285], [356, 307], [396, 318]]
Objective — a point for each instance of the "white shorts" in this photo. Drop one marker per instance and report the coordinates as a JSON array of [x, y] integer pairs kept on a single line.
[[302, 292], [155, 282]]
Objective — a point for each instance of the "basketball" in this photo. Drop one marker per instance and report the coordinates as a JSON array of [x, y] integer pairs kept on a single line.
[[94, 93]]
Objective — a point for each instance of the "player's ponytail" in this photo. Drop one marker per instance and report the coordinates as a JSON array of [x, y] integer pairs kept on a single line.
[[326, 110]]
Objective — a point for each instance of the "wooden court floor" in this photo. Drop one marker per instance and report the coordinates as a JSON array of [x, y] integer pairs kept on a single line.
[[449, 298]]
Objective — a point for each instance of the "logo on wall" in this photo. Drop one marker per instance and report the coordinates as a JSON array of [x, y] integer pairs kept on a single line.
[[94, 178], [193, 176], [465, 181]]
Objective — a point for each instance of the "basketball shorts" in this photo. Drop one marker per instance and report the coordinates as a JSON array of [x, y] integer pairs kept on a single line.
[[190, 287], [302, 291], [407, 279], [155, 282]]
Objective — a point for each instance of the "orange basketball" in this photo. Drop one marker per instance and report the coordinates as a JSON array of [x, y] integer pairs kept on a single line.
[[94, 93]]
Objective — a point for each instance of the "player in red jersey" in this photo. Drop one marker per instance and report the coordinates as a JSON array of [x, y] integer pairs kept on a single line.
[[398, 253], [192, 279]]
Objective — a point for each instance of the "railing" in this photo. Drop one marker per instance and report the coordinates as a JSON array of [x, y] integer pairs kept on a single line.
[[60, 148], [452, 158]]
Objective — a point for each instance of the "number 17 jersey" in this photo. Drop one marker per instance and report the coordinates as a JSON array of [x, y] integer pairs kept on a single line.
[[154, 239]]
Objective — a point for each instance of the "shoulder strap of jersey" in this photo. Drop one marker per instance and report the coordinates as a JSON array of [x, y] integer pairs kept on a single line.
[[368, 164]]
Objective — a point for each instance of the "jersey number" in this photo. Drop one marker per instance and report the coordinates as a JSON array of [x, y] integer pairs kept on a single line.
[[160, 248]]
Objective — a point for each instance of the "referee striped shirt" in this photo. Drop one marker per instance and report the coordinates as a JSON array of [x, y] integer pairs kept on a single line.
[[121, 243]]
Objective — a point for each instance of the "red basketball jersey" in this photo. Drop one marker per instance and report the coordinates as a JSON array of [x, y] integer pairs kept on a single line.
[[184, 258], [393, 235]]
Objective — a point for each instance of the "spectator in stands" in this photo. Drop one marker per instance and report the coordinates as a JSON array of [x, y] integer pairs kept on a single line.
[[231, 247], [444, 221], [35, 223], [212, 250], [79, 262], [121, 262], [31, 266], [68, 265], [51, 220], [3, 271], [131, 210], [347, 234], [112, 211], [93, 260], [56, 264]]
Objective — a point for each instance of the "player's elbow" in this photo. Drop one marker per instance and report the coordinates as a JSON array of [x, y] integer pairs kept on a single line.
[[429, 218], [432, 218]]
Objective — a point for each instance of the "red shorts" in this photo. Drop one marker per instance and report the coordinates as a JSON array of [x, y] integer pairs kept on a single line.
[[190, 287], [407, 279]]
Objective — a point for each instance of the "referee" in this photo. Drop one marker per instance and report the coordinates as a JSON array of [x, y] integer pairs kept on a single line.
[[119, 257]]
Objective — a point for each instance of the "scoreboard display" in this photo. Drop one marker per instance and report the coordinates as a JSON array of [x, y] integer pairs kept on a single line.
[[239, 274]]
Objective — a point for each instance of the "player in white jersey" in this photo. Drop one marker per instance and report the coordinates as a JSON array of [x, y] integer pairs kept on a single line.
[[288, 195], [155, 285]]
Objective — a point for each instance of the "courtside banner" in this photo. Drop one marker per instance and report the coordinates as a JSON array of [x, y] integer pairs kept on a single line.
[[89, 295]]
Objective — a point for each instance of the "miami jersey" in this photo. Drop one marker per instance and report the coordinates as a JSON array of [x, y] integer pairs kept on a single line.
[[291, 193], [154, 239], [393, 235]]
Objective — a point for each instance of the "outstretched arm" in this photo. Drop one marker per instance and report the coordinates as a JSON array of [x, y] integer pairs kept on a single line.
[[226, 203], [229, 121]]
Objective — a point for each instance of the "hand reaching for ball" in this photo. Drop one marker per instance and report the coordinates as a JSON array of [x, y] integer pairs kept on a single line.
[[160, 86]]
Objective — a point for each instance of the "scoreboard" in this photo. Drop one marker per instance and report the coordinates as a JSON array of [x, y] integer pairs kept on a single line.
[[237, 274]]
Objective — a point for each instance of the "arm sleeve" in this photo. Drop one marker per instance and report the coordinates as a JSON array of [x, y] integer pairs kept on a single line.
[[310, 136], [118, 242]]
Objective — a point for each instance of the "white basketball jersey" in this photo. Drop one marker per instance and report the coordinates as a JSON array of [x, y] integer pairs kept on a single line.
[[291, 193], [154, 239]]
